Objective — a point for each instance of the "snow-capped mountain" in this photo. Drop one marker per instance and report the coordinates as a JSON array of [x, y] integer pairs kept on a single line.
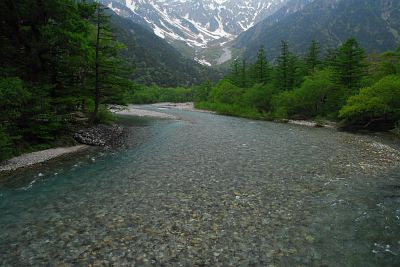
[[198, 23]]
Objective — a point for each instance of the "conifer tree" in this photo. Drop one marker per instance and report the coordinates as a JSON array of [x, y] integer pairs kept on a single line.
[[285, 68], [349, 64], [330, 57], [110, 71], [243, 74], [260, 69], [312, 57], [234, 74]]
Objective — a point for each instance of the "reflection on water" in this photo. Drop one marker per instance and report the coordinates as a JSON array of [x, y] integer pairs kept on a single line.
[[211, 190]]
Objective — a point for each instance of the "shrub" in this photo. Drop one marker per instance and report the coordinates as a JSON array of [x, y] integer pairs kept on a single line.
[[202, 92], [259, 96], [379, 103], [225, 92], [317, 96], [231, 110], [283, 104], [104, 115]]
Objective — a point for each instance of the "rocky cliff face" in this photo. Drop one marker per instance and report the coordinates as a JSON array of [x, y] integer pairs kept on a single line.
[[196, 22]]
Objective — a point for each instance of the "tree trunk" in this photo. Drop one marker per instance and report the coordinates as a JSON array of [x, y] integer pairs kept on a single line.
[[97, 67]]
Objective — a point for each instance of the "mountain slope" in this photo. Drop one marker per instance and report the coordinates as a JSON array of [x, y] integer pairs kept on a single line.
[[196, 25], [156, 61], [374, 23]]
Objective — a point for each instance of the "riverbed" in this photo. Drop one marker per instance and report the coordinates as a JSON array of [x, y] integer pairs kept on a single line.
[[203, 189]]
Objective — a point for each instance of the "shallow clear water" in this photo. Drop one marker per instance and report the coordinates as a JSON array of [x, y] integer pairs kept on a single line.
[[211, 190]]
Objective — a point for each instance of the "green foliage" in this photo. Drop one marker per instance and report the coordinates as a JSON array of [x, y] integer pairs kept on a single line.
[[312, 57], [239, 73], [377, 104], [283, 104], [259, 96], [289, 70], [381, 65], [43, 126], [260, 70], [202, 92], [13, 98], [48, 65], [234, 73], [225, 92], [349, 64], [310, 99], [5, 145], [110, 81], [231, 110], [285, 68], [104, 115]]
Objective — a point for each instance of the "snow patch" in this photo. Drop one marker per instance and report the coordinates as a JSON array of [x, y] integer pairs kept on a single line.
[[203, 62]]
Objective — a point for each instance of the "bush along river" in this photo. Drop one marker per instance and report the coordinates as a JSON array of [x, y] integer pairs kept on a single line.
[[210, 190]]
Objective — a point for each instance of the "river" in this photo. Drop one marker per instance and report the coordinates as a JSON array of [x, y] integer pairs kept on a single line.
[[211, 190]]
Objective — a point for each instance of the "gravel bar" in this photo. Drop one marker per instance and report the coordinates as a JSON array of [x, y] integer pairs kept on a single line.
[[30, 159], [136, 110]]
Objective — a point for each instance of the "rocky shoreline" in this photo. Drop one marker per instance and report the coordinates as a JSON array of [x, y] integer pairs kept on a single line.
[[101, 135], [30, 159], [105, 136]]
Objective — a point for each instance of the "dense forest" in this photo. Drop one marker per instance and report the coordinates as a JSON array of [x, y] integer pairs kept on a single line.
[[60, 64], [346, 85]]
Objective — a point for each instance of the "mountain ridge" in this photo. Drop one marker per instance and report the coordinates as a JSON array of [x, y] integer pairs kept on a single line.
[[375, 24], [198, 24]]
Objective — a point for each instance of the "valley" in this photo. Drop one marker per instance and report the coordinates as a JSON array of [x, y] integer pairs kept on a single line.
[[200, 133]]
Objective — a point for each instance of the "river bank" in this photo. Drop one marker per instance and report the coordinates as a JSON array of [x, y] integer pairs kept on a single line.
[[108, 136], [29, 159]]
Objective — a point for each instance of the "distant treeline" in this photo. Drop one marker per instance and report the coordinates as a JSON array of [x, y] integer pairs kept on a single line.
[[154, 94], [346, 85]]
